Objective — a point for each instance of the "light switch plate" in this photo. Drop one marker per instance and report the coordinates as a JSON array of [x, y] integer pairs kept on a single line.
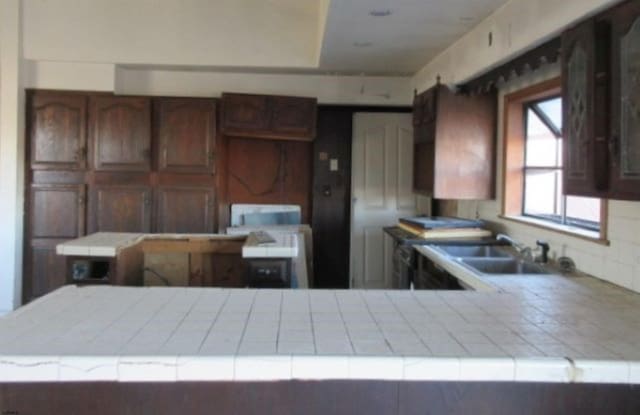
[[333, 165]]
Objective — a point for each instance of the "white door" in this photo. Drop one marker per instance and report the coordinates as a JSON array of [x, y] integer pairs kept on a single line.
[[381, 190]]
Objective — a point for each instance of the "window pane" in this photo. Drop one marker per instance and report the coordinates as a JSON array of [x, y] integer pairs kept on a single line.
[[552, 108], [583, 208], [542, 144], [541, 193]]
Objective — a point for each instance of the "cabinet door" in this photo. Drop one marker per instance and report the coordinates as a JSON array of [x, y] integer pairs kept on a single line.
[[625, 144], [57, 211], [56, 214], [58, 134], [186, 130], [294, 117], [46, 270], [116, 208], [578, 53], [185, 210], [243, 113], [121, 133]]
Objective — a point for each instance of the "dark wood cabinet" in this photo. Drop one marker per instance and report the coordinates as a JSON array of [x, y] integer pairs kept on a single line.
[[454, 144], [46, 269], [120, 208], [120, 129], [183, 209], [266, 116], [57, 211], [584, 116], [186, 129], [57, 127], [625, 103], [294, 117], [601, 97], [56, 214]]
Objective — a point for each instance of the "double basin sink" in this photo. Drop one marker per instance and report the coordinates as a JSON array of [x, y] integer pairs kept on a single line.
[[490, 259]]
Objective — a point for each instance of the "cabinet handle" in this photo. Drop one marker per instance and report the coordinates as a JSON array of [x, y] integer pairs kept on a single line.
[[80, 200]]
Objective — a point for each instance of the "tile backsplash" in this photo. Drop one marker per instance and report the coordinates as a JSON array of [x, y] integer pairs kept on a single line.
[[619, 262]]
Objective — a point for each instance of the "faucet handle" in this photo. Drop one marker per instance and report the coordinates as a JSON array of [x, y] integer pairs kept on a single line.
[[544, 245]]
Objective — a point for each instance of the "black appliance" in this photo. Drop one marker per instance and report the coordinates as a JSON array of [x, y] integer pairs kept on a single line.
[[269, 272]]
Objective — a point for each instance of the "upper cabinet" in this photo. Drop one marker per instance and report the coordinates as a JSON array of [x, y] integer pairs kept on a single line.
[[601, 104], [120, 129], [625, 120], [454, 144], [58, 131], [264, 116], [186, 129]]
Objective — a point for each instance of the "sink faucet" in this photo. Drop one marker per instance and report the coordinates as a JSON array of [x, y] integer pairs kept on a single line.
[[521, 249]]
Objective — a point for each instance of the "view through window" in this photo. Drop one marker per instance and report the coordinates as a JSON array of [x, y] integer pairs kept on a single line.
[[542, 195]]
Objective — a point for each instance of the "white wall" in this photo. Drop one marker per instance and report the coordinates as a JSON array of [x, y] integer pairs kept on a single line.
[[279, 33], [11, 155], [618, 263], [329, 89], [517, 26]]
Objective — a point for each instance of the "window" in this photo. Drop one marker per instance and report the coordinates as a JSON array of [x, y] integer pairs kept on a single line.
[[542, 195], [532, 191]]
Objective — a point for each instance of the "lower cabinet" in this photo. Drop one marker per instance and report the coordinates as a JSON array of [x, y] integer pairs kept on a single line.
[[120, 208], [183, 209], [432, 277], [45, 270], [56, 213]]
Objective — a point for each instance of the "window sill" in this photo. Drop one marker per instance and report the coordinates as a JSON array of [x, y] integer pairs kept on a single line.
[[576, 232]]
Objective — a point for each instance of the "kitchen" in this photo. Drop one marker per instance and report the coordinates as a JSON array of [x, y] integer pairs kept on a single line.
[[158, 93]]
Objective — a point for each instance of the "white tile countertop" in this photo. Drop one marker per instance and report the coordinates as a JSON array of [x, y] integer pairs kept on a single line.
[[536, 329]]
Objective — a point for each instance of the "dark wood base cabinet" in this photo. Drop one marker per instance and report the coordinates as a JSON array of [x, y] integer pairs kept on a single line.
[[319, 397]]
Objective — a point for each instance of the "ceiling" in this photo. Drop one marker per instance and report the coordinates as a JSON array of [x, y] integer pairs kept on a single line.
[[371, 37], [404, 36]]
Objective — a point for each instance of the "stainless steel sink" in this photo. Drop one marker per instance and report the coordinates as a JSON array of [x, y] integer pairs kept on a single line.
[[474, 251], [503, 266]]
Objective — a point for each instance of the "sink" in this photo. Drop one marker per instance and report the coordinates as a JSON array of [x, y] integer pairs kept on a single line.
[[474, 251], [503, 266]]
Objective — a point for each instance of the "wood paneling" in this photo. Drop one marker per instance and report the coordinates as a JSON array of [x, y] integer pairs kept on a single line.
[[57, 126], [120, 129], [186, 131], [243, 114], [120, 208], [269, 172], [294, 117], [185, 209], [332, 198], [339, 397]]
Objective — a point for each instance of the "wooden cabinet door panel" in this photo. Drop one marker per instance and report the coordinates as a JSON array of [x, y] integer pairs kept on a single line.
[[625, 137], [244, 113], [186, 210], [121, 133], [120, 209], [186, 131], [578, 107], [58, 131], [57, 211], [46, 270], [295, 117]]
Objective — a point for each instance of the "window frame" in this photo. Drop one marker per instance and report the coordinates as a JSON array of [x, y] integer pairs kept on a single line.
[[514, 163]]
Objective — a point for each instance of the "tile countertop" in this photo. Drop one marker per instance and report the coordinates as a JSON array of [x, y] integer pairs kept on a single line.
[[536, 329]]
